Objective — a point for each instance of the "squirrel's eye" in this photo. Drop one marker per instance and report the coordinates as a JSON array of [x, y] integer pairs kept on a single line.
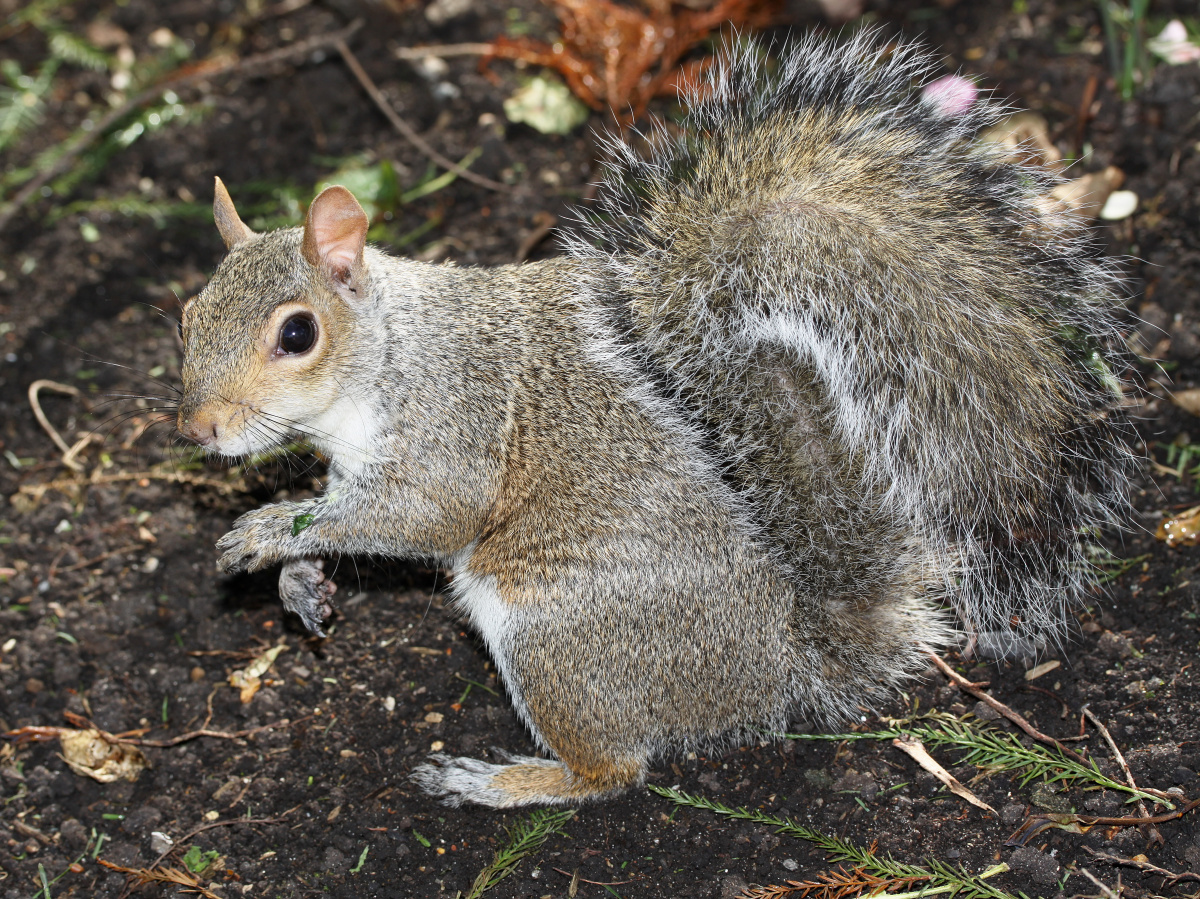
[[298, 334]]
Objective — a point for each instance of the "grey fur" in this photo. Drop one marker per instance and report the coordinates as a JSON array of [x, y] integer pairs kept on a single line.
[[815, 367]]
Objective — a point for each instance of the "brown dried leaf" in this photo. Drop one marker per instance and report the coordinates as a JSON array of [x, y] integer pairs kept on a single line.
[[1187, 400], [249, 679], [95, 754], [1026, 138], [1086, 195], [1182, 530], [617, 57]]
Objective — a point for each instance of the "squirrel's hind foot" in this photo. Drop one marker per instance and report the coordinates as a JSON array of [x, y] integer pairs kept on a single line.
[[523, 780], [306, 591]]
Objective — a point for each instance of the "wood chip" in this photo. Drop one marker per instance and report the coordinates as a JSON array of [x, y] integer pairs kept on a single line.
[[1045, 668]]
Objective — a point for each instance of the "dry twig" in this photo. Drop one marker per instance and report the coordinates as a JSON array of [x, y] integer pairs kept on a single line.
[[187, 837], [1149, 830], [69, 452], [1105, 891], [63, 485], [441, 51], [543, 222], [1142, 865], [406, 130], [1015, 717]]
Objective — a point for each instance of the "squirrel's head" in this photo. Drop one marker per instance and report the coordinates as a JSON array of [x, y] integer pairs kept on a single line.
[[267, 343]]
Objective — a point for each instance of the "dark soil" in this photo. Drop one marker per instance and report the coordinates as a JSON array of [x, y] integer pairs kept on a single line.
[[112, 609]]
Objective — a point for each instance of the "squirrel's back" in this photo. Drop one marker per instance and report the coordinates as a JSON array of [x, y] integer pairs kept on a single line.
[[899, 361]]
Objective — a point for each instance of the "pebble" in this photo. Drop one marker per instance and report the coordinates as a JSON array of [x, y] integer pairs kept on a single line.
[[73, 833], [1115, 646], [733, 886], [160, 843], [1038, 866], [1012, 814]]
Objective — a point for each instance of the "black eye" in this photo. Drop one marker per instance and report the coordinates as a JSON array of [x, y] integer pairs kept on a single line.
[[298, 334]]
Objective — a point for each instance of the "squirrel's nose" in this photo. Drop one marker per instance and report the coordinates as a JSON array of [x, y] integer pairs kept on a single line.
[[197, 428]]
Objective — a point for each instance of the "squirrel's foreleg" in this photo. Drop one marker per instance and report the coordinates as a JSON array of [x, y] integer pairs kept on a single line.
[[306, 590]]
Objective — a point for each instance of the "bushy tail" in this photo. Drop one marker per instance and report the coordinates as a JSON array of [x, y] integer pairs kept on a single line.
[[863, 310]]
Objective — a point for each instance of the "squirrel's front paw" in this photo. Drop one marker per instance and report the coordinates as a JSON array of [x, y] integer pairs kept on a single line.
[[306, 591], [258, 539]]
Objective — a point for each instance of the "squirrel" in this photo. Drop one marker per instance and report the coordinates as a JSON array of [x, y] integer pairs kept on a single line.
[[816, 388]]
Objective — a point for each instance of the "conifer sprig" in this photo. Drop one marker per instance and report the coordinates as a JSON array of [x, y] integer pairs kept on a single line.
[[868, 870], [994, 751], [524, 838]]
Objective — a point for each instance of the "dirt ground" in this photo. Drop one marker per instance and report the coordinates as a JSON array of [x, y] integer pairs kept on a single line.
[[111, 607]]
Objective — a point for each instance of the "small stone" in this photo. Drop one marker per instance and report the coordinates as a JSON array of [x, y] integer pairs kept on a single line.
[[1038, 866], [1047, 796], [73, 833], [819, 778], [1115, 646], [984, 712], [33, 685], [228, 790], [439, 12], [160, 843], [334, 859], [733, 886], [790, 864], [197, 674], [1104, 803], [141, 820], [856, 782], [1012, 814]]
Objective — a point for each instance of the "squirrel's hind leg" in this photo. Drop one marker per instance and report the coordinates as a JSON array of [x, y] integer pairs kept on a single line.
[[522, 780]]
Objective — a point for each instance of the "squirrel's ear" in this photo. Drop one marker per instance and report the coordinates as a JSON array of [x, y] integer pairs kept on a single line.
[[335, 232], [233, 230]]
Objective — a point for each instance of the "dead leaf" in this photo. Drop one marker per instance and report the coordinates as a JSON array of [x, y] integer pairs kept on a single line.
[[106, 35], [916, 749], [1038, 670], [1086, 195], [263, 663], [97, 755], [617, 57], [1036, 824], [1182, 530], [1026, 138], [1187, 400], [249, 679]]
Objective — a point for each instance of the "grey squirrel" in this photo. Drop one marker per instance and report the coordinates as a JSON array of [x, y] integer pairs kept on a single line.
[[815, 370]]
